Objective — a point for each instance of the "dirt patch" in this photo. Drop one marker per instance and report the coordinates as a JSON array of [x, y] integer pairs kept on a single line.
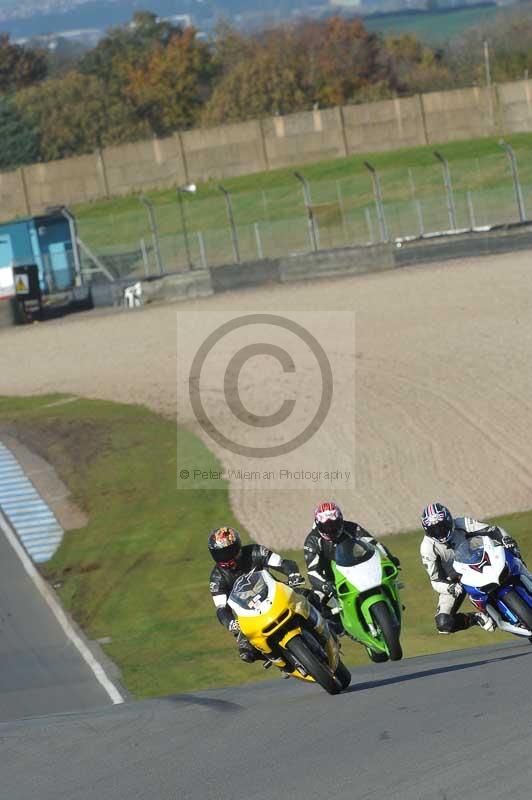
[[444, 382]]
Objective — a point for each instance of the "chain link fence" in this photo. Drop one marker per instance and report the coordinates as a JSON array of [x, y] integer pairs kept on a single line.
[[214, 227]]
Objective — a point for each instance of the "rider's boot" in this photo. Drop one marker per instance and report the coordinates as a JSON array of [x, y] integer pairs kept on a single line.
[[376, 657], [247, 652], [483, 621]]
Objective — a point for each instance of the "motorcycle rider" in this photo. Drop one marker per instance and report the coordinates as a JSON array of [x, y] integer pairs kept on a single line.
[[443, 535], [330, 529], [232, 559]]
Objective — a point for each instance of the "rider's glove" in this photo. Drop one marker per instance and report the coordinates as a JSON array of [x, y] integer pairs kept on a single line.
[[296, 579], [234, 626], [395, 561], [510, 544], [456, 589], [507, 541]]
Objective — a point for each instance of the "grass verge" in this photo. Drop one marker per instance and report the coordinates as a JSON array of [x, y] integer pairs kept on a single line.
[[342, 195], [138, 572]]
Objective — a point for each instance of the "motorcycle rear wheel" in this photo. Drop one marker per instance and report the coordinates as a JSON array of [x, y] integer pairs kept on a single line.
[[383, 619], [521, 609], [313, 666]]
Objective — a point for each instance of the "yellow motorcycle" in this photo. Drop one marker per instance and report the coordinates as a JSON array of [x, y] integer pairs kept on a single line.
[[288, 630]]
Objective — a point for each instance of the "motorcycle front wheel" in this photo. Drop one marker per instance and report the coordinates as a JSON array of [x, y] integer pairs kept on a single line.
[[383, 619], [313, 666], [520, 608], [343, 675]]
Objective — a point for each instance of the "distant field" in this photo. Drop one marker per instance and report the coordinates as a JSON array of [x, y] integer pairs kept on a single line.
[[433, 28]]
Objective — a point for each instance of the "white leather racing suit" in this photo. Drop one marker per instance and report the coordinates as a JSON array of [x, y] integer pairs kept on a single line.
[[437, 558]]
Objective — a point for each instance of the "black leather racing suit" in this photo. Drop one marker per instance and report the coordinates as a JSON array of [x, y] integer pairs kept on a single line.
[[222, 581], [319, 553]]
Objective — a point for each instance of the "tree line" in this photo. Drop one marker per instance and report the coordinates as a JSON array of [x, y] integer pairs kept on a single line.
[[152, 78]]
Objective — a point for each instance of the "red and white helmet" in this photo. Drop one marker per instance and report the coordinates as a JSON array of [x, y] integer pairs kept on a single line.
[[329, 521]]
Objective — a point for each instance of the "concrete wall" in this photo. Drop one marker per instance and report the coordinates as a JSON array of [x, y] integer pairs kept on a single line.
[[154, 164], [300, 138], [71, 180], [344, 261], [515, 106], [461, 114], [248, 147], [385, 125], [13, 195], [216, 153]]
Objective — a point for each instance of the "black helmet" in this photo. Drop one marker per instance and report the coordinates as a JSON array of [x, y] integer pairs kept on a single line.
[[225, 546], [437, 522], [329, 521]]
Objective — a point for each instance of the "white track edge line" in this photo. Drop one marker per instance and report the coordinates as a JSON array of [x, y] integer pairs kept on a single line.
[[58, 612]]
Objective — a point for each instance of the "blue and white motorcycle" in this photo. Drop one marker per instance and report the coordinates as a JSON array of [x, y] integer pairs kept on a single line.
[[496, 583]]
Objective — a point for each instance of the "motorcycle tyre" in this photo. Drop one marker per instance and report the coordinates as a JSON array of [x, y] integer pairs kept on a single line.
[[390, 631], [313, 666], [522, 610], [343, 675]]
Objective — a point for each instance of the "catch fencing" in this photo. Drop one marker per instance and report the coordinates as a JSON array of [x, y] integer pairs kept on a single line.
[[214, 226]]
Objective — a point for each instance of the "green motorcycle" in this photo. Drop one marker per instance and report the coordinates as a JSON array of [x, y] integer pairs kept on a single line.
[[368, 598]]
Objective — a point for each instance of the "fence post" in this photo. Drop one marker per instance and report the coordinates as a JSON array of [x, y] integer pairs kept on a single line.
[[103, 170], [155, 235], [203, 252], [75, 246], [310, 211], [260, 251], [515, 175], [487, 70], [24, 186], [230, 217], [448, 189], [421, 221], [144, 252], [342, 211], [471, 210], [181, 190], [378, 201], [100, 266], [369, 223]]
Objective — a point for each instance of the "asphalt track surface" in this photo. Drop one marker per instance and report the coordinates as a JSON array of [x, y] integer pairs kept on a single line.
[[453, 725], [41, 671]]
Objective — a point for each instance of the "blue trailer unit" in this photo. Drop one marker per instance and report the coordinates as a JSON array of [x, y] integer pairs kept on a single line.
[[45, 241]]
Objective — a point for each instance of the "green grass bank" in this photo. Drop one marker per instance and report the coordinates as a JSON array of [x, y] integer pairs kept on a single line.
[[138, 572], [342, 198]]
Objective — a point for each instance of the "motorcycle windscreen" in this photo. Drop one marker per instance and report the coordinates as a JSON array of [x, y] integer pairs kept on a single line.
[[250, 591], [350, 553], [470, 551]]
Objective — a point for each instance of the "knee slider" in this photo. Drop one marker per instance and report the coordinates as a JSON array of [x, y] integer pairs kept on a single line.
[[445, 623]]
